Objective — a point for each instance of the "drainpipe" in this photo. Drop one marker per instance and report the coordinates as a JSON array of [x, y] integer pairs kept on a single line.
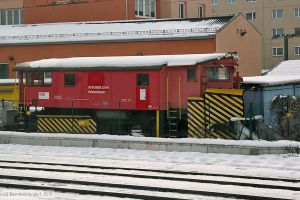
[[286, 47], [126, 7]]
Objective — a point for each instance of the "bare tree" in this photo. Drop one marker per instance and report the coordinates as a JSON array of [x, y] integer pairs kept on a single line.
[[285, 110]]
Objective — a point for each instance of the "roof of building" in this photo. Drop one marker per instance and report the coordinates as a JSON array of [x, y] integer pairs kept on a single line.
[[153, 29], [118, 62], [284, 73]]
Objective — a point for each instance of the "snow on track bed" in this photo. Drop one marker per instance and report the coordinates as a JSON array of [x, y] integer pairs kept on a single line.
[[19, 194], [224, 179], [145, 188], [191, 167]]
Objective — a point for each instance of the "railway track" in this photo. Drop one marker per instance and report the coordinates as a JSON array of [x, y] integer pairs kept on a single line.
[[138, 183]]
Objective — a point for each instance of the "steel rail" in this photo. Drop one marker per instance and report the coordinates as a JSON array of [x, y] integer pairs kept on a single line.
[[154, 170], [122, 186], [255, 185]]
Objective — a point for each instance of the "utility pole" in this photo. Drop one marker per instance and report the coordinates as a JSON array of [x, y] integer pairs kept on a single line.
[[286, 38]]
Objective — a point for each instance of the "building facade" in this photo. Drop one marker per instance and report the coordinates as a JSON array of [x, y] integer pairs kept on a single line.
[[185, 8], [51, 11], [11, 12], [270, 17]]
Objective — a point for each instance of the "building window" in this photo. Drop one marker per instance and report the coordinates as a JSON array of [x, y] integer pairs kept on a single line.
[[11, 16], [200, 11], [277, 14], [231, 1], [277, 31], [214, 2], [192, 73], [297, 12], [297, 31], [181, 10], [69, 80], [231, 14], [4, 71], [217, 73], [250, 1], [250, 15], [145, 8], [142, 80], [277, 51], [297, 51]]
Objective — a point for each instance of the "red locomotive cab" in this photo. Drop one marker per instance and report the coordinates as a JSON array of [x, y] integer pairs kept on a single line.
[[114, 95]]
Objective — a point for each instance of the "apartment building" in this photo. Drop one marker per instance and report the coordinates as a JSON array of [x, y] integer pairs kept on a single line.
[[270, 17]]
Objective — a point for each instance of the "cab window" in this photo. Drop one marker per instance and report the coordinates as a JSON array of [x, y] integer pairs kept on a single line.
[[142, 80], [217, 73], [69, 80], [38, 78]]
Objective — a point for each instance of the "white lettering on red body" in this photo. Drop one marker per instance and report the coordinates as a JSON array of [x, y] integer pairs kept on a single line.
[[97, 89]]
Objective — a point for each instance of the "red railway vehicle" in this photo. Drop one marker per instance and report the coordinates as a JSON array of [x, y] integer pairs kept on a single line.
[[119, 95]]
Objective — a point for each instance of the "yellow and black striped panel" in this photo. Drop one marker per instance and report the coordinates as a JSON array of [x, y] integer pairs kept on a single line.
[[66, 124], [220, 106], [196, 117]]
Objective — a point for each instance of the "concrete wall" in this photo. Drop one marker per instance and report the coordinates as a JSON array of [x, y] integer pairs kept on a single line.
[[248, 46], [136, 144]]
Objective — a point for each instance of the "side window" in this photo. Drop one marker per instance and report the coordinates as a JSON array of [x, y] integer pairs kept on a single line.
[[217, 74], [69, 80], [192, 73], [142, 80], [47, 78]]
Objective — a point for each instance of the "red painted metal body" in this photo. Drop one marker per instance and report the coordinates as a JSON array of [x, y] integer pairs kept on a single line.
[[168, 87]]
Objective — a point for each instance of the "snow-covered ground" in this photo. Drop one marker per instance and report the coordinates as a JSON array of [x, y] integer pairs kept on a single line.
[[277, 166]]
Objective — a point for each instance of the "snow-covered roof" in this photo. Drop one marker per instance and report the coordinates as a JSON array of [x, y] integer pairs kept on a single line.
[[111, 31], [118, 62], [8, 81], [290, 67], [284, 73]]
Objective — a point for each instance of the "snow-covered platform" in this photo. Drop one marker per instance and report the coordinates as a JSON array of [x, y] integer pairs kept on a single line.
[[156, 144]]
